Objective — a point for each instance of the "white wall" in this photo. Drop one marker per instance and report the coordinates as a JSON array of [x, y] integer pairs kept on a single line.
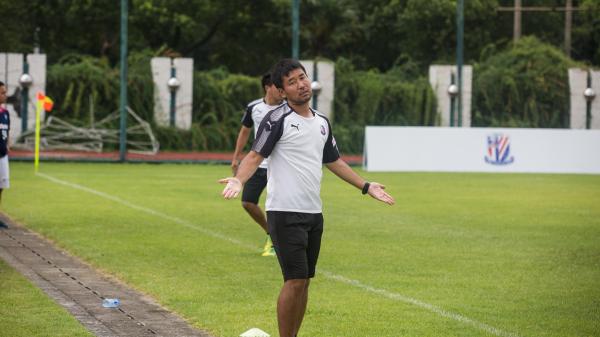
[[578, 104], [161, 72], [465, 150], [326, 76], [440, 79]]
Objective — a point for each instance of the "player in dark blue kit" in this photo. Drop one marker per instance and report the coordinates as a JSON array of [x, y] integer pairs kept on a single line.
[[4, 129]]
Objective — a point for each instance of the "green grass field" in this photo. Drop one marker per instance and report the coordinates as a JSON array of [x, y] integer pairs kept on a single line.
[[458, 255], [26, 311]]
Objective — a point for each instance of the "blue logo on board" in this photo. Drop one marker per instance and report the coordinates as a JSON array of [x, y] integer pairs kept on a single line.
[[498, 150]]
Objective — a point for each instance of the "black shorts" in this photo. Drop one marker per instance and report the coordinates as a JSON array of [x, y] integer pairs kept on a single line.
[[254, 186], [297, 240]]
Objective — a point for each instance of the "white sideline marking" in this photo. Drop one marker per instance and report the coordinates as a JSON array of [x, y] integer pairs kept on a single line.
[[420, 304], [332, 276], [147, 210]]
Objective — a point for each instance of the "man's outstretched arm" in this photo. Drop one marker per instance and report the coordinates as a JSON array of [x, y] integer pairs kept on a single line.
[[247, 168], [240, 142], [375, 190]]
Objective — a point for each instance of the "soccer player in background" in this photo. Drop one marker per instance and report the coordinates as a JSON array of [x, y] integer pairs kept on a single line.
[[255, 112], [298, 141], [4, 133]]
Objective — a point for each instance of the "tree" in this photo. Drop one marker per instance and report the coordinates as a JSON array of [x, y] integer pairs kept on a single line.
[[523, 86]]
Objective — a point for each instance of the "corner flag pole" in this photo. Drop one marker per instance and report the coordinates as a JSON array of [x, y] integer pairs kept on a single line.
[[38, 112], [46, 103]]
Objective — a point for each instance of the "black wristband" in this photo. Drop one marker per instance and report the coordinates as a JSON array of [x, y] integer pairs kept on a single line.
[[365, 188]]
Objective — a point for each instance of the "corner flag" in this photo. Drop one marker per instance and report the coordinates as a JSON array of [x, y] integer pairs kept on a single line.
[[46, 103]]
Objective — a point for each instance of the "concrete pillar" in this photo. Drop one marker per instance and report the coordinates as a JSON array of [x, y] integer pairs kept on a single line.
[[440, 79], [596, 101], [326, 77], [161, 72], [37, 70]]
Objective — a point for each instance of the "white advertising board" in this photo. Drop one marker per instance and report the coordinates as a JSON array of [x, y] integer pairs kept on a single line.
[[446, 149]]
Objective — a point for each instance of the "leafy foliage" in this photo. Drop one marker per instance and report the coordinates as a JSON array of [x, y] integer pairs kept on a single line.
[[525, 86], [397, 97], [383, 48], [248, 36]]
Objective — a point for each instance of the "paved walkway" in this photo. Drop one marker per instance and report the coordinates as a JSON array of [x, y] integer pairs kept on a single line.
[[81, 289]]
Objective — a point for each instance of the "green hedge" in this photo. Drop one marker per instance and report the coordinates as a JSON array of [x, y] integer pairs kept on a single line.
[[362, 98], [524, 86], [397, 97], [374, 98], [79, 84]]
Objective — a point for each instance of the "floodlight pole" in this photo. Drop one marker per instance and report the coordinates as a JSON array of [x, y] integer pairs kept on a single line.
[[568, 26], [295, 29], [123, 83], [517, 21], [460, 26]]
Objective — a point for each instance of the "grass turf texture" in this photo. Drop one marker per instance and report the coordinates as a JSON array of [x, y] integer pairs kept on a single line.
[[518, 252], [26, 311]]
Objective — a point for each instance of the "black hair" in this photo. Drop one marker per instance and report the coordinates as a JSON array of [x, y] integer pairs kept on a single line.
[[283, 68], [266, 79], [2, 84]]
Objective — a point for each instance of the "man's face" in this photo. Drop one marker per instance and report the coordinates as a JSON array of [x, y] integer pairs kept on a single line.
[[296, 87], [2, 94], [273, 93]]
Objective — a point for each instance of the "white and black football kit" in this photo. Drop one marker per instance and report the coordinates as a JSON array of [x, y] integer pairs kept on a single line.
[[297, 148], [4, 135], [254, 114]]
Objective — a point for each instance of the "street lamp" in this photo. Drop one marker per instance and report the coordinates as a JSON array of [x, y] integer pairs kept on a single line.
[[453, 93], [296, 29], [25, 81], [173, 84], [316, 89], [589, 95]]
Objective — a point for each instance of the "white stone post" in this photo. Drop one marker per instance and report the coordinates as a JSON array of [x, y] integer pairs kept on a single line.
[[440, 80], [161, 72], [326, 77]]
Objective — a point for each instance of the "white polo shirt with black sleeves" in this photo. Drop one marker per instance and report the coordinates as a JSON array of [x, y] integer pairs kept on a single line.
[[297, 148], [254, 114]]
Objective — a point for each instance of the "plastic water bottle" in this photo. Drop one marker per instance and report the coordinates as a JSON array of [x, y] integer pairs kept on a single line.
[[111, 303]]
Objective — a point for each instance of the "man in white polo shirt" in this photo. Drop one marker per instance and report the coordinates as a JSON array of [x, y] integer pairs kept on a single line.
[[298, 141]]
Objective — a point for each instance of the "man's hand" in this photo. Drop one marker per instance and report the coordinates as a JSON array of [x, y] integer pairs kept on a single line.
[[376, 190], [233, 187]]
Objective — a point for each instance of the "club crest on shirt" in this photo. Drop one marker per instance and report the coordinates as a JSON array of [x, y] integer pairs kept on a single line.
[[323, 130]]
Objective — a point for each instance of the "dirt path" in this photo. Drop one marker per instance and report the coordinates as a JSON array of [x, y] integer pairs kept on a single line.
[[81, 289]]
